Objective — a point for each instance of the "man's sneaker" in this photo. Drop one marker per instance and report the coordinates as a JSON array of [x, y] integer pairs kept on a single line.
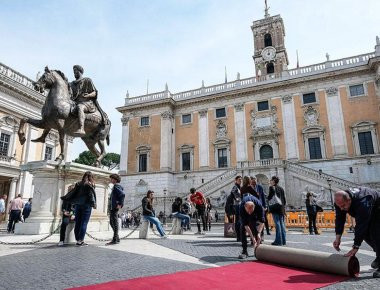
[[60, 244], [203, 233], [111, 243], [243, 256], [198, 233], [376, 274], [375, 264]]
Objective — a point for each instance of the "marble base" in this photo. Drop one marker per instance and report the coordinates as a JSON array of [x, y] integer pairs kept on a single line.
[[51, 181]]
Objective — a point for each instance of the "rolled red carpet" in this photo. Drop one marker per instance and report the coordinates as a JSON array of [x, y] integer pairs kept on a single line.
[[248, 275]]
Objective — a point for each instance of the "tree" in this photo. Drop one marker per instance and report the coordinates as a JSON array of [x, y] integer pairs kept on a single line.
[[110, 160], [86, 158]]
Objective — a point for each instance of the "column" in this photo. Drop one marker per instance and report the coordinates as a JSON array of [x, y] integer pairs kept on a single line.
[[124, 145], [203, 139], [290, 128], [240, 133], [166, 141], [336, 122], [69, 144], [30, 155]]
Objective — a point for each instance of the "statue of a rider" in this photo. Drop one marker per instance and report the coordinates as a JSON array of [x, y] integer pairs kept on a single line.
[[84, 94]]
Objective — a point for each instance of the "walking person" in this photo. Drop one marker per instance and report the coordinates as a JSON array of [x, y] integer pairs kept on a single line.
[[83, 196], [311, 209], [116, 203], [364, 205], [199, 200], [149, 214], [15, 212], [208, 214], [27, 209], [277, 202], [3, 208], [67, 209]]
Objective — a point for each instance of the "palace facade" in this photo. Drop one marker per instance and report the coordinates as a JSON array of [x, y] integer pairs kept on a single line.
[[315, 126]]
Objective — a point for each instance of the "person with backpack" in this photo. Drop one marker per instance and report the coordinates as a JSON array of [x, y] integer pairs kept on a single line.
[[27, 209]]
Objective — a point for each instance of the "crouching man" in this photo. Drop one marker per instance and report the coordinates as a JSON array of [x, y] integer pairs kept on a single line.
[[252, 222], [364, 205]]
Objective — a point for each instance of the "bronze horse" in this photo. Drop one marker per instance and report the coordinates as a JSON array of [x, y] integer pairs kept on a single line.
[[58, 113]]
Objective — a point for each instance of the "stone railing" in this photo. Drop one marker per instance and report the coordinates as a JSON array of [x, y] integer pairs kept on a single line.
[[16, 76], [320, 176], [220, 179], [255, 81], [259, 163], [204, 188], [5, 159]]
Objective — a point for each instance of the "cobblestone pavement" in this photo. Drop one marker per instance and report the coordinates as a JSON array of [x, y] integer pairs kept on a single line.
[[45, 266]]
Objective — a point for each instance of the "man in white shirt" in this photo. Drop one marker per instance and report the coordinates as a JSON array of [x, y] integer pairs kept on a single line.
[[15, 212], [3, 208]]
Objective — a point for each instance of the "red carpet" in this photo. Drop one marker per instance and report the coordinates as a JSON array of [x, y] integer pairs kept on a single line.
[[247, 275]]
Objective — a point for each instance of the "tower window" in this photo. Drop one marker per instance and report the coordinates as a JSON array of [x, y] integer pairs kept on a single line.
[[267, 40], [270, 68]]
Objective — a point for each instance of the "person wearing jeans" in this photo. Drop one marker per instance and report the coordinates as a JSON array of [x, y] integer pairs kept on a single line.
[[148, 212], [84, 198], [278, 211], [176, 212], [116, 203]]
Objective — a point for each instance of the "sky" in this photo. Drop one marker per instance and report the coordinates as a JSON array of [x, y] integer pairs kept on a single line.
[[123, 43]]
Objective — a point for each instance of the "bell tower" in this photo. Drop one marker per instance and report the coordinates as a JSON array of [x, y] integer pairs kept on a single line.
[[269, 44]]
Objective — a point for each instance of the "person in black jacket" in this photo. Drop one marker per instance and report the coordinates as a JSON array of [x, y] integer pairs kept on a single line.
[[148, 212], [364, 205], [116, 202], [311, 209], [84, 198], [276, 192]]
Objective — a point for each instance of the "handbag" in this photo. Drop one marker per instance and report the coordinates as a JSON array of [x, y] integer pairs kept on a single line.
[[319, 209], [275, 203]]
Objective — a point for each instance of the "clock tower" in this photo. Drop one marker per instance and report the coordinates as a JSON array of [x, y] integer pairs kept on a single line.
[[269, 45]]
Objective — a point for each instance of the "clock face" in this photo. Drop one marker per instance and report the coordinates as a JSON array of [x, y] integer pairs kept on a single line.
[[268, 53]]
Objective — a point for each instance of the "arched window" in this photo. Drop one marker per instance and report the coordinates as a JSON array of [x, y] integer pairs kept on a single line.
[[270, 68], [267, 40], [266, 152]]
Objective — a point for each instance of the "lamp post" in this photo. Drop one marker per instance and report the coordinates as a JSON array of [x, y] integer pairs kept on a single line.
[[165, 191], [331, 197]]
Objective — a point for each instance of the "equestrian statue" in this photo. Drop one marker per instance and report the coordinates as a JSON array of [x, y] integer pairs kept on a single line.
[[71, 109]]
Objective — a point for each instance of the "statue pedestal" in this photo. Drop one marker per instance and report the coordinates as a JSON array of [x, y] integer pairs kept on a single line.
[[51, 181]]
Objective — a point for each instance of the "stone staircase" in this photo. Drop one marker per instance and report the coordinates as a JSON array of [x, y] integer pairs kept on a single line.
[[319, 177]]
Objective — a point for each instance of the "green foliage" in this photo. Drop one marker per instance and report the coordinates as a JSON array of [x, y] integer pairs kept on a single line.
[[110, 160], [86, 158]]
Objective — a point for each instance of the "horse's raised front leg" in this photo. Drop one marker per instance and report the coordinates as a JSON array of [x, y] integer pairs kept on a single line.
[[34, 122], [43, 136]]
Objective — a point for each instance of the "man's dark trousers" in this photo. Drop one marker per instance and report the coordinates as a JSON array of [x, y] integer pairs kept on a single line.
[[243, 235], [237, 222], [14, 218], [373, 235], [114, 224]]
